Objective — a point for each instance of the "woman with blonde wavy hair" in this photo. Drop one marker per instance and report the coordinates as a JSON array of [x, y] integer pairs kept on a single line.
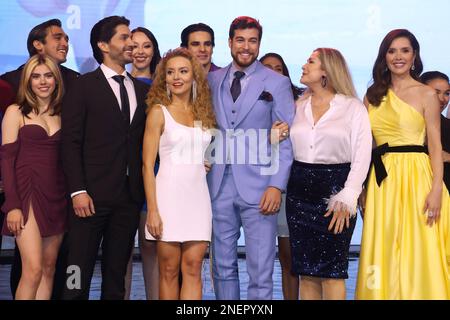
[[32, 174], [179, 207], [332, 145]]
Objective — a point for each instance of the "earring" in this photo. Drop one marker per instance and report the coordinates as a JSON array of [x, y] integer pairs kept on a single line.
[[169, 94], [323, 81], [194, 91], [413, 67]]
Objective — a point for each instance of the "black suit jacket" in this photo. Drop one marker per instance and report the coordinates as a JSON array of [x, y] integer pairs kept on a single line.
[[13, 77], [97, 144]]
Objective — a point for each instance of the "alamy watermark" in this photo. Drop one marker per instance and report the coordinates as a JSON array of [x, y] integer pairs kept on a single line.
[[73, 277], [232, 146], [373, 279]]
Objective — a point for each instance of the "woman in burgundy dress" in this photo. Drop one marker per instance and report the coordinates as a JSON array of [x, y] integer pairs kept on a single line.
[[32, 175]]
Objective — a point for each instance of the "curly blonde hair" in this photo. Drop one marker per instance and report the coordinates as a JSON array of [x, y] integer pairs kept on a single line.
[[201, 107]]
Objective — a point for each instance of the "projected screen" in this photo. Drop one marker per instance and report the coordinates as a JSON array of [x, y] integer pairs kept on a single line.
[[292, 28]]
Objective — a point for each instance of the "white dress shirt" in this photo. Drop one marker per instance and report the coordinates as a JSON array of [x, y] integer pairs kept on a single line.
[[115, 86], [342, 135], [246, 78]]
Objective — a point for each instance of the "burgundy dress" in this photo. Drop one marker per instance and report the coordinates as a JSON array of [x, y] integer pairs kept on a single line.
[[33, 176]]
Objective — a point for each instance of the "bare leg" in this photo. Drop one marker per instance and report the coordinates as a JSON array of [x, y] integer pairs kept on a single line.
[[333, 289], [192, 256], [149, 258], [50, 249], [30, 247], [169, 257], [310, 288], [290, 282]]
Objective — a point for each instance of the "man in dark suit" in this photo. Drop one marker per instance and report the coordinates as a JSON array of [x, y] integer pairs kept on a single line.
[[103, 121], [50, 39]]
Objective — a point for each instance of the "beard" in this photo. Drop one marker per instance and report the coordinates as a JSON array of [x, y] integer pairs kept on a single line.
[[243, 64], [127, 58], [120, 56]]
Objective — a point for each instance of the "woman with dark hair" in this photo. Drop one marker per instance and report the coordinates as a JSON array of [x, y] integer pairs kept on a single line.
[[440, 83], [275, 62], [36, 205], [405, 247], [146, 57], [146, 54], [289, 280]]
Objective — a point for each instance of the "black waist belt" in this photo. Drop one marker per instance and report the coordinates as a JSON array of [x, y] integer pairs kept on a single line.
[[380, 170]]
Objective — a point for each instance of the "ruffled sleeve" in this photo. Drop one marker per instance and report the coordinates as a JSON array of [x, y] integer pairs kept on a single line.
[[8, 154]]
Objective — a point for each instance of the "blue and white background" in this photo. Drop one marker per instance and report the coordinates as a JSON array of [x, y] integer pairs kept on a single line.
[[292, 28]]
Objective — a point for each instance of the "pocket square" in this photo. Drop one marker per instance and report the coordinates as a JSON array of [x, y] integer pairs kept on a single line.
[[266, 96]]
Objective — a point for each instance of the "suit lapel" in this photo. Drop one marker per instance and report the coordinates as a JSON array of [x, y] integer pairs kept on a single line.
[[140, 103], [219, 98], [251, 94], [109, 94]]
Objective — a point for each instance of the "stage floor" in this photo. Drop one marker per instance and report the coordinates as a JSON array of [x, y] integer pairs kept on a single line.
[[138, 292]]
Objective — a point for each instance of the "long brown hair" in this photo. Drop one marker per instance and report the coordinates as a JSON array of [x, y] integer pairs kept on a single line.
[[380, 72], [201, 106], [27, 99]]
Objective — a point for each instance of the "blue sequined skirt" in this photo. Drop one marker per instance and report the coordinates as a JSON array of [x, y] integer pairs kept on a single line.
[[316, 252]]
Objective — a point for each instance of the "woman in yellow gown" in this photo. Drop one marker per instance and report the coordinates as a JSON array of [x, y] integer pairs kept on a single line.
[[405, 250]]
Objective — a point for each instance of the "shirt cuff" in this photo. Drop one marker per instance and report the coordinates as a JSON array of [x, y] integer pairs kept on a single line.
[[77, 193], [348, 197]]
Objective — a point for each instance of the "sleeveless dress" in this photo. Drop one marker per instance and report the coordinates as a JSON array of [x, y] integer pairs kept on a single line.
[[33, 176], [182, 193], [401, 257]]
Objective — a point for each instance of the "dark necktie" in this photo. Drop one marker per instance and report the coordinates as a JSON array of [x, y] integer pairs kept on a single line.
[[236, 85], [125, 103]]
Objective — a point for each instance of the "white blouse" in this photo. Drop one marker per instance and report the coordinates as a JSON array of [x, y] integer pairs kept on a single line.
[[342, 135]]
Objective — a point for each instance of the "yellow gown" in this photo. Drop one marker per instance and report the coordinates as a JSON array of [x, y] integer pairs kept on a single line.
[[401, 257]]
